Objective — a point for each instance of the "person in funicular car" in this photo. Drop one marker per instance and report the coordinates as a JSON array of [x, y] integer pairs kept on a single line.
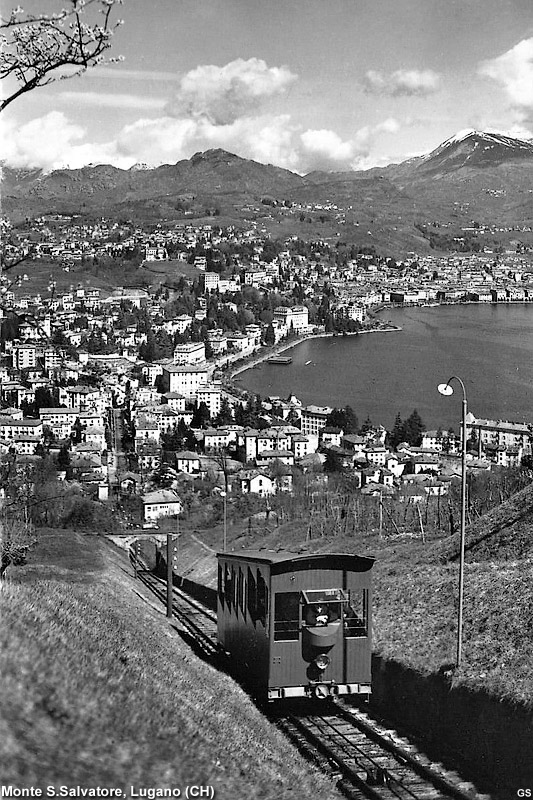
[[316, 614]]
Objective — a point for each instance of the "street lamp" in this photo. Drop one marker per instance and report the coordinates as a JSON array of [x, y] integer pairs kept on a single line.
[[446, 389], [223, 496]]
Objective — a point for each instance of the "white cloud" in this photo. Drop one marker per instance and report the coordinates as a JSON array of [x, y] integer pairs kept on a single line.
[[324, 149], [52, 142], [402, 82], [40, 142], [216, 107], [119, 73], [514, 72], [166, 139], [112, 100], [224, 94], [389, 125]]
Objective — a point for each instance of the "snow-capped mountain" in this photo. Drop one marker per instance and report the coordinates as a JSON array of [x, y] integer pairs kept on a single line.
[[475, 149]]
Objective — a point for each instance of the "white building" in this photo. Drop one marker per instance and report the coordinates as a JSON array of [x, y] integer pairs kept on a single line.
[[211, 396], [163, 503], [183, 379], [211, 281], [314, 419], [178, 324], [191, 353], [296, 317]]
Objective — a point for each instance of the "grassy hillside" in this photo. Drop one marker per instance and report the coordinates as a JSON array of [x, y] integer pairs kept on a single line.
[[416, 593], [99, 690]]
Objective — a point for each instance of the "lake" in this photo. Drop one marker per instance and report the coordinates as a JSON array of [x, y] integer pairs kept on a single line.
[[489, 346]]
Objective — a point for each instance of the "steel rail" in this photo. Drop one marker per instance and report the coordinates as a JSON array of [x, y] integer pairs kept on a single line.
[[367, 759], [369, 762], [184, 609]]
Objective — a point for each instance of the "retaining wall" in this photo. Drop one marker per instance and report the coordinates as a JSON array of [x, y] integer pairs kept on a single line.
[[487, 738]]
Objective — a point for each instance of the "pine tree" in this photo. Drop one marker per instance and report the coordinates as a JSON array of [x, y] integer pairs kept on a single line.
[[201, 417], [413, 429], [397, 434], [225, 415]]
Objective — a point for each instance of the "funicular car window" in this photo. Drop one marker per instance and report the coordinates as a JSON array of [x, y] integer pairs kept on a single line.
[[322, 606], [286, 616], [356, 614], [251, 596], [234, 587], [228, 588], [220, 583], [262, 599], [240, 590]]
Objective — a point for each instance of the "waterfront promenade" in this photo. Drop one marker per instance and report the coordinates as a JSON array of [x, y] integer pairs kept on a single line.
[[282, 347], [489, 345]]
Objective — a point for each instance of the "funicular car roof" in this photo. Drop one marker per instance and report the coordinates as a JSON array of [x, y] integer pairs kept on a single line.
[[281, 561]]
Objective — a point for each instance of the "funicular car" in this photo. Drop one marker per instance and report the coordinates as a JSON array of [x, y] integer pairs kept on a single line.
[[297, 625]]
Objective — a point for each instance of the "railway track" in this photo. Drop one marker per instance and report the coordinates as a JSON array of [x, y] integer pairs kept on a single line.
[[369, 762], [365, 759], [199, 621]]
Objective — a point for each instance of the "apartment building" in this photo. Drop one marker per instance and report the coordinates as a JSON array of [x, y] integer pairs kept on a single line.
[[190, 353], [314, 419], [183, 380]]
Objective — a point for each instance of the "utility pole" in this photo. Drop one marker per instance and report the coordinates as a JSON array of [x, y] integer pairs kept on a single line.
[[169, 575]]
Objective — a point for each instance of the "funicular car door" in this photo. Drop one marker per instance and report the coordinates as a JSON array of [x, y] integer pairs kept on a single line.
[[358, 628], [296, 637]]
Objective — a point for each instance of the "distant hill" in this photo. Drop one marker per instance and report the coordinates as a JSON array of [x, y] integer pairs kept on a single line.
[[473, 176]]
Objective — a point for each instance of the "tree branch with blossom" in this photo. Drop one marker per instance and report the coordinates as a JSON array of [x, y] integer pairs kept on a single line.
[[37, 49]]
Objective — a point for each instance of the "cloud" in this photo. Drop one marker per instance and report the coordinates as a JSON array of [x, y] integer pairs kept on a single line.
[[215, 107], [112, 100], [325, 150], [167, 139], [389, 125], [514, 72], [119, 73], [222, 95], [52, 142], [40, 142], [402, 83]]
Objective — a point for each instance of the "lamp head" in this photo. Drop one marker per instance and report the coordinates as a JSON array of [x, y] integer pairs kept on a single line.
[[445, 388]]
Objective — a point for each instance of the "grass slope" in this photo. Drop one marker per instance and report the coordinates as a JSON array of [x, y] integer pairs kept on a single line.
[[416, 594], [98, 690]]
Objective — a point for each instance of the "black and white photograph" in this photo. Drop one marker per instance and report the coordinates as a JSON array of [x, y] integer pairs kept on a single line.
[[266, 399]]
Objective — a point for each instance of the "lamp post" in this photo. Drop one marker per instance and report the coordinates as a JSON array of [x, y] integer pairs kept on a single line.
[[223, 496], [446, 389]]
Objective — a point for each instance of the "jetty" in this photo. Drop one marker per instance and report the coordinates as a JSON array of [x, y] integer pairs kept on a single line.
[[279, 360]]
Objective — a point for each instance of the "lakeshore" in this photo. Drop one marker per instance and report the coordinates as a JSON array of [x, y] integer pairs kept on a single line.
[[283, 347], [489, 345]]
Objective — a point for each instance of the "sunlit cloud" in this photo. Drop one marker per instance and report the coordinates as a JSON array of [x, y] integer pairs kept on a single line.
[[402, 83], [325, 150], [513, 71], [52, 142], [224, 94], [215, 107]]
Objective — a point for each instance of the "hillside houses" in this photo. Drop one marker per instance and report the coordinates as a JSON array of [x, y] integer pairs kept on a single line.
[[155, 359]]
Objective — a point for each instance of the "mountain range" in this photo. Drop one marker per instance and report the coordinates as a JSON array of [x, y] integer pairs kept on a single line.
[[475, 176]]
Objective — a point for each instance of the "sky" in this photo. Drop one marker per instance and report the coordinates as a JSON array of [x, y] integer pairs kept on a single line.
[[302, 84]]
